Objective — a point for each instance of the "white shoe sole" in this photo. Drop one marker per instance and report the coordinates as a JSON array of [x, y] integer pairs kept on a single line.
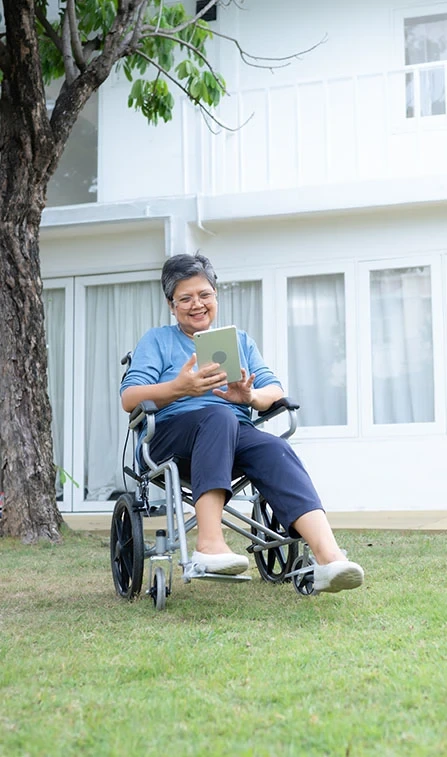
[[338, 577]]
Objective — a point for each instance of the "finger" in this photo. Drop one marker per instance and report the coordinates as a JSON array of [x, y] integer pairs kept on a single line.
[[210, 369], [217, 380], [191, 362], [220, 393]]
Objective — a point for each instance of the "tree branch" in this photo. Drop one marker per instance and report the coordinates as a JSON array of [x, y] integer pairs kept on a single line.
[[191, 21], [76, 46], [190, 97], [249, 59], [160, 13], [190, 46], [50, 32], [70, 69], [137, 31]]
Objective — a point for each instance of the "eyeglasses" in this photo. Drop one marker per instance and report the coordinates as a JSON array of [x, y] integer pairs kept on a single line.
[[186, 300]]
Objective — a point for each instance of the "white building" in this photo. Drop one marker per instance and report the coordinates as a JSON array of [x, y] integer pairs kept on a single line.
[[325, 217]]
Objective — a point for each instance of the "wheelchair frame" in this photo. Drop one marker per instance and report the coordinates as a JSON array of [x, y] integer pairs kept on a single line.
[[279, 558]]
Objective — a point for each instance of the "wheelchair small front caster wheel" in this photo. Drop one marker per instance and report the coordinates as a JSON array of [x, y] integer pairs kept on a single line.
[[303, 584], [158, 589]]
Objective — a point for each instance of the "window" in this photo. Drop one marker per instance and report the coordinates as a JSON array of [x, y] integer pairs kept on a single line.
[[116, 316], [425, 42], [54, 308], [316, 335], [75, 179], [58, 310], [402, 345], [240, 303]]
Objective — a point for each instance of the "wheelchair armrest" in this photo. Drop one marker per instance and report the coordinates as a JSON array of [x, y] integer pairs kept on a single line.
[[285, 403], [142, 410]]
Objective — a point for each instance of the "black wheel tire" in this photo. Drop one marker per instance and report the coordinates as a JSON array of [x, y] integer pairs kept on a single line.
[[302, 584], [127, 548], [273, 564], [158, 589]]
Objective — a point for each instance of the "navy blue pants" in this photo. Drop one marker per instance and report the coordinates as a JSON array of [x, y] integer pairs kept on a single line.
[[215, 442]]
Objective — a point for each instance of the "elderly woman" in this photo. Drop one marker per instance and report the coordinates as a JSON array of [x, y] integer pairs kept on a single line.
[[206, 420]]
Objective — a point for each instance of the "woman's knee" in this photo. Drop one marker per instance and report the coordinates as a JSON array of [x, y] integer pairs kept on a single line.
[[221, 417]]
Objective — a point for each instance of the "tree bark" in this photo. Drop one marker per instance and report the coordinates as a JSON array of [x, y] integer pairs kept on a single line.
[[27, 155], [30, 148], [26, 451]]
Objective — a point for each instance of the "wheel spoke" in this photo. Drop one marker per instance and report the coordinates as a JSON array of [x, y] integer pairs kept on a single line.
[[274, 563]]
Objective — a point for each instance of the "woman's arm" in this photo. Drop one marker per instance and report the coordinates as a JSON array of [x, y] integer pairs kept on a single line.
[[261, 399], [188, 383]]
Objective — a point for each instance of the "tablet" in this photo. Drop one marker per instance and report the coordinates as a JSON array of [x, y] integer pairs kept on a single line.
[[219, 346]]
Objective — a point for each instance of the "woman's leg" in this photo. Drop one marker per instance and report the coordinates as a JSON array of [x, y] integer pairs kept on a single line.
[[314, 528], [208, 439], [209, 507], [278, 473]]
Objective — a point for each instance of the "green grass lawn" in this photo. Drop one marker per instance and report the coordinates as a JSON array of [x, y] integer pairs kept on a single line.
[[226, 669]]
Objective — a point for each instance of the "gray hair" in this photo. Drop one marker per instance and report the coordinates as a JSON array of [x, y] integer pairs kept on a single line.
[[181, 267]]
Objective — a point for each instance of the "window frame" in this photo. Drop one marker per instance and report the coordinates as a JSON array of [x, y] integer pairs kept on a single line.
[[347, 268], [368, 427], [417, 122], [66, 505]]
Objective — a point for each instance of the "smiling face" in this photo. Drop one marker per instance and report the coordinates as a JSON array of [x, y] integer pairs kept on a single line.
[[194, 304]]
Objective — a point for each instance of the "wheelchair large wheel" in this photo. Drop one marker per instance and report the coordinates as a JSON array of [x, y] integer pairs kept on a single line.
[[127, 548], [274, 563]]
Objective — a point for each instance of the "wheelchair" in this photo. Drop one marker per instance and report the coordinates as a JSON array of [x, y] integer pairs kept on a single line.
[[279, 558]]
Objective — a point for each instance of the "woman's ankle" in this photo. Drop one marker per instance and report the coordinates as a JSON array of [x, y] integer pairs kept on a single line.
[[212, 547]]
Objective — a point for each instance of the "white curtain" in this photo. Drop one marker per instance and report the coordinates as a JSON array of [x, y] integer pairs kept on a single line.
[[402, 345], [317, 348], [117, 315], [54, 309], [240, 303]]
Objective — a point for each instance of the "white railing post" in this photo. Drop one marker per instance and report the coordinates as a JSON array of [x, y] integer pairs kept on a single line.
[[268, 136], [298, 142]]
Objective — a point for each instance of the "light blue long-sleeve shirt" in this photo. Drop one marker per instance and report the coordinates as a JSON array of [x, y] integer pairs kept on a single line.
[[162, 352]]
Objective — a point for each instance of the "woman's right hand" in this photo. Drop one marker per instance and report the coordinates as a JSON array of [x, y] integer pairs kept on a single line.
[[195, 383]]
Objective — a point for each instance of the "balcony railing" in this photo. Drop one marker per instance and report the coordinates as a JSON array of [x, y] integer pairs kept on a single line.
[[369, 126]]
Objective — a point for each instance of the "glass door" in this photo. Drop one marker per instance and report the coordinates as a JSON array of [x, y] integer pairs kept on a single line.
[[58, 311], [112, 313]]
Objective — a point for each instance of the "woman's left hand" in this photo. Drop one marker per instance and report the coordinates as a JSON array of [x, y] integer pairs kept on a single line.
[[239, 392]]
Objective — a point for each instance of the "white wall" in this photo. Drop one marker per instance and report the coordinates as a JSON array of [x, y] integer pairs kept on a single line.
[[329, 117], [81, 251], [365, 471]]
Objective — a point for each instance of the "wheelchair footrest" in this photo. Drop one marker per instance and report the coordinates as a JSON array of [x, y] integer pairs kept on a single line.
[[222, 577], [154, 512], [192, 570]]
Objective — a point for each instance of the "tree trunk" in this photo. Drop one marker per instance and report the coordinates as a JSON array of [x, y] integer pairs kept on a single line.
[[27, 154], [27, 474], [30, 148]]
